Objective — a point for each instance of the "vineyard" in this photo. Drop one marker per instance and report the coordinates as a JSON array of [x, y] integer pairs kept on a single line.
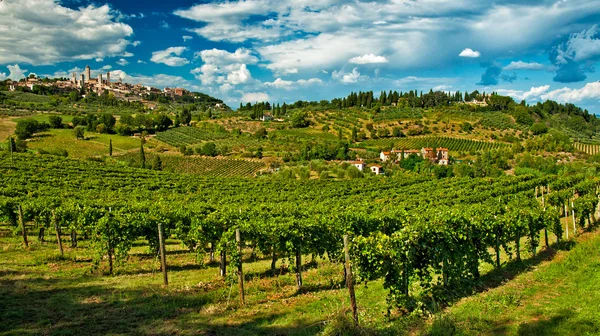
[[205, 166], [180, 136], [453, 144], [587, 148], [423, 238]]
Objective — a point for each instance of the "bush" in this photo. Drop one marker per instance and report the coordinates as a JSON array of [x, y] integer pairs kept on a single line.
[[79, 132], [538, 128], [298, 120], [55, 122]]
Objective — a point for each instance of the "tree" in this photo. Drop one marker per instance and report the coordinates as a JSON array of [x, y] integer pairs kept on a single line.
[[259, 152], [142, 155], [354, 134], [55, 122], [157, 163], [261, 133], [79, 132], [110, 147], [185, 116], [298, 120], [539, 128], [163, 122], [25, 128], [209, 149], [101, 128]]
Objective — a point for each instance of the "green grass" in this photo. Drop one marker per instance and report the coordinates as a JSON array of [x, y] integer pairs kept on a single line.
[[558, 297], [45, 117], [555, 293], [94, 145]]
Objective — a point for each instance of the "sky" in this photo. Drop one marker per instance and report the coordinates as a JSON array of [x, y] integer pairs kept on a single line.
[[287, 50]]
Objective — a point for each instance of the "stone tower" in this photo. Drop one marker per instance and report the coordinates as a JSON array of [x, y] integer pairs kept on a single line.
[[74, 78], [82, 83], [108, 78], [88, 73]]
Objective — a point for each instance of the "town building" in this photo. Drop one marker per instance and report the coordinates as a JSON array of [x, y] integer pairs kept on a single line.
[[376, 169], [437, 155]]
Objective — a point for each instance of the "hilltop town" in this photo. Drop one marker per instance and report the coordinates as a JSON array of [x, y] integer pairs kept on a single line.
[[84, 83]]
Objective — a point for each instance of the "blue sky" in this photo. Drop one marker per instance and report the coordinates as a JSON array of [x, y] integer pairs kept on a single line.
[[288, 50]]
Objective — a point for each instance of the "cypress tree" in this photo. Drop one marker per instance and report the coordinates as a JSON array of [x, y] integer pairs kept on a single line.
[[142, 155], [110, 147]]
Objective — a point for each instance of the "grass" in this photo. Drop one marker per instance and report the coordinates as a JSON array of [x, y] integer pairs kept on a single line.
[[558, 297], [7, 127], [555, 293], [45, 117], [94, 145]]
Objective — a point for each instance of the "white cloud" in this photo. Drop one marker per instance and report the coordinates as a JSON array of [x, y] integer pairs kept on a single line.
[[158, 80], [15, 73], [187, 37], [141, 62], [253, 97], [107, 67], [223, 57], [346, 78], [568, 95], [136, 43], [520, 65], [42, 32], [580, 46], [289, 85], [468, 52], [239, 76], [170, 56], [533, 94], [368, 59], [224, 67], [442, 88], [122, 62]]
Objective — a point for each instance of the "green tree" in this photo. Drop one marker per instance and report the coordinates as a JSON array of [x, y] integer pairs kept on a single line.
[[79, 132], [110, 149], [55, 122], [163, 122], [209, 149], [142, 155], [157, 163], [259, 152], [298, 120], [25, 128]]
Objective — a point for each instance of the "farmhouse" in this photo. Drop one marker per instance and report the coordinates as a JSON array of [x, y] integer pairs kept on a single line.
[[435, 155], [377, 169]]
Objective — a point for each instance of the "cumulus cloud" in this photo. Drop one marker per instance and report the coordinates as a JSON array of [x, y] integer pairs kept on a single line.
[[520, 65], [42, 32], [576, 56], [14, 72], [253, 97], [533, 94], [368, 59], [158, 80], [187, 37], [289, 85], [468, 52], [346, 78], [589, 91], [224, 67], [170, 56], [122, 62], [223, 57]]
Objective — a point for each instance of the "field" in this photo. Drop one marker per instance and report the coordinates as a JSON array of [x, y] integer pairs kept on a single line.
[[205, 166], [94, 145], [188, 136], [587, 148], [453, 144]]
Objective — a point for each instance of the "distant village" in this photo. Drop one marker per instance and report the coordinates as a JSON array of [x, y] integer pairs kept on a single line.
[[103, 83], [435, 155]]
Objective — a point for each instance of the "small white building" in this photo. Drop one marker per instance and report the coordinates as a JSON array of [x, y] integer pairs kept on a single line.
[[358, 164], [266, 117], [376, 169], [385, 156]]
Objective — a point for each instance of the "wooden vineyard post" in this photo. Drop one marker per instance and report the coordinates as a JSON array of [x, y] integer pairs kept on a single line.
[[350, 281], [57, 229], [497, 251], [223, 265], [566, 220], [298, 268], [238, 239], [163, 253], [545, 229], [23, 228], [573, 215]]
